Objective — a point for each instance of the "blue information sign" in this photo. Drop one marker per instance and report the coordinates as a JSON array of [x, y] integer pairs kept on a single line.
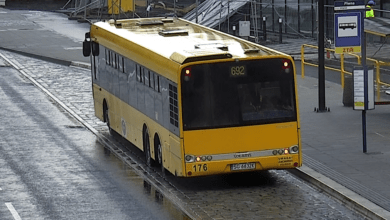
[[348, 32], [348, 5]]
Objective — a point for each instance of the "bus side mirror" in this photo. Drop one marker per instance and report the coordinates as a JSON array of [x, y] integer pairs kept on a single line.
[[87, 45], [86, 48], [95, 49]]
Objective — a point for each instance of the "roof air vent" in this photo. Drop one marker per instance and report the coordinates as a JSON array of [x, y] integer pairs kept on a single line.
[[251, 51], [170, 33], [219, 46], [148, 23]]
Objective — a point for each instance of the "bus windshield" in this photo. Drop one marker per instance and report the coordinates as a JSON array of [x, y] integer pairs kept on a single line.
[[237, 94]]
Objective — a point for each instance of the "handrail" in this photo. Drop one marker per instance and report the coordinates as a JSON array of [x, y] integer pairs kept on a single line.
[[342, 71]]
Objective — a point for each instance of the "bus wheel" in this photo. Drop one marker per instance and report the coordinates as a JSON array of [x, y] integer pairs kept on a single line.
[[159, 154], [157, 150], [148, 159]]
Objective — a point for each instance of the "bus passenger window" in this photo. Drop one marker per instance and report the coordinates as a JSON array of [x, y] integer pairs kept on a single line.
[[111, 58], [139, 73], [143, 76], [158, 83], [150, 79], [107, 58], [115, 63], [94, 66], [123, 65]]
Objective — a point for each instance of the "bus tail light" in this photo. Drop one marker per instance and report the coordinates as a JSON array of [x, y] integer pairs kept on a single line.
[[187, 74], [286, 65]]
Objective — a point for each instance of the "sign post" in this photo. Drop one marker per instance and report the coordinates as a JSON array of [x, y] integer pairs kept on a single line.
[[350, 37]]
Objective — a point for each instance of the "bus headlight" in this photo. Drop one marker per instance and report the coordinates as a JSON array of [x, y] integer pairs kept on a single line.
[[294, 149], [189, 158]]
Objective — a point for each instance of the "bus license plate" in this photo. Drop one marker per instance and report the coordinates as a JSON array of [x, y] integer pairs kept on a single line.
[[243, 166]]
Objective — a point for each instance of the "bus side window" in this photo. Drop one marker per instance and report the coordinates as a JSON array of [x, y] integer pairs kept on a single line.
[[156, 83], [115, 63], [150, 75], [111, 58], [143, 77], [117, 66], [107, 57], [94, 66], [123, 65], [138, 72]]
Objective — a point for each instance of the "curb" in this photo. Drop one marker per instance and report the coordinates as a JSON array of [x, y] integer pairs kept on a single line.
[[346, 196], [45, 58], [80, 64]]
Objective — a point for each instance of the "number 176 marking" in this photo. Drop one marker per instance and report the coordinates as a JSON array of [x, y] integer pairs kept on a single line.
[[199, 167]]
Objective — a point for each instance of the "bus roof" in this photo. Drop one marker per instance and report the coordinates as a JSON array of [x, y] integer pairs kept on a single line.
[[178, 40]]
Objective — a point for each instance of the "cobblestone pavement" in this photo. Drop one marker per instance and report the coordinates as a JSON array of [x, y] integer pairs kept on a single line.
[[261, 195]]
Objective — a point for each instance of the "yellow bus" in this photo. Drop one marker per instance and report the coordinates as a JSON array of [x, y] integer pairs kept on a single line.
[[197, 101]]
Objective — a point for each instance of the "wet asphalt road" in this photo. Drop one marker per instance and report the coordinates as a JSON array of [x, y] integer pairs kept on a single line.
[[51, 167], [78, 178]]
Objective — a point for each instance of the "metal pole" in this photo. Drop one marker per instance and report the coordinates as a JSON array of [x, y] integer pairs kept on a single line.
[[220, 16], [264, 28], [273, 15], [174, 7], [280, 30], [285, 16], [261, 13], [299, 17], [228, 30], [312, 18], [197, 4], [85, 10], [364, 64], [321, 58]]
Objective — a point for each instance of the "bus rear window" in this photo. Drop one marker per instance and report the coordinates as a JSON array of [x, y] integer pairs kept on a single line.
[[237, 94]]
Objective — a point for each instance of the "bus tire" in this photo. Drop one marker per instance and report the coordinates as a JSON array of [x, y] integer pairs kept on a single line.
[[157, 150], [146, 142]]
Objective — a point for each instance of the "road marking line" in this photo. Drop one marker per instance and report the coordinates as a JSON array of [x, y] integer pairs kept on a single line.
[[73, 48], [13, 211], [379, 134]]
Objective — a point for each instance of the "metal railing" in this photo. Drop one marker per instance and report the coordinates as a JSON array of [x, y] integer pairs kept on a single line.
[[342, 70]]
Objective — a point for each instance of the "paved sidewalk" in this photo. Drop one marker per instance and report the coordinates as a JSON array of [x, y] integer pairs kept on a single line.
[[46, 35], [332, 141]]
